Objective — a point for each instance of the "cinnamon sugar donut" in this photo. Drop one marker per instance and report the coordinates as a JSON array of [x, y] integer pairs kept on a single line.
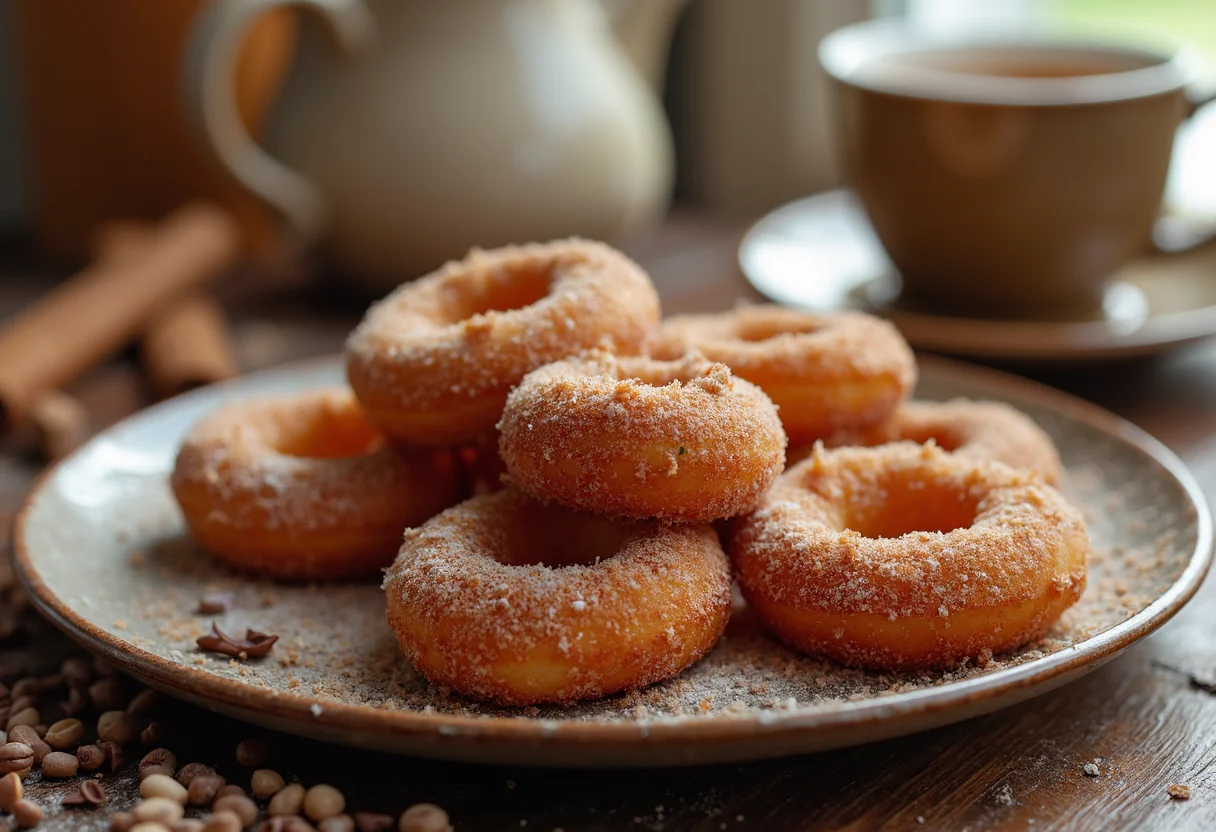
[[506, 599], [432, 362], [908, 557], [972, 429], [824, 372], [634, 437], [301, 487]]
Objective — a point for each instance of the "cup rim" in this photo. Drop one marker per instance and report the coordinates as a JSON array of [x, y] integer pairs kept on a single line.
[[844, 51]]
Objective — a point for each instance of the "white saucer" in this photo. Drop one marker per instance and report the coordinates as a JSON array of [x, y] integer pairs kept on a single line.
[[820, 253]]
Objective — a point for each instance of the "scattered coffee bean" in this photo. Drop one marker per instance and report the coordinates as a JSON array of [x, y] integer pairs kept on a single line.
[[144, 702], [266, 783], [149, 826], [158, 809], [161, 785], [239, 805], [64, 734], [187, 825], [5, 693], [323, 801], [203, 789], [253, 753], [215, 603], [91, 794], [222, 822], [162, 757], [24, 687], [289, 801], [424, 817], [91, 757], [77, 671], [41, 729], [191, 770], [116, 726], [76, 702], [150, 770], [108, 694], [337, 823], [27, 735], [373, 822], [25, 716], [103, 668], [121, 822], [11, 791], [16, 757], [153, 734], [51, 682], [21, 703], [59, 764], [113, 754], [27, 814], [230, 790]]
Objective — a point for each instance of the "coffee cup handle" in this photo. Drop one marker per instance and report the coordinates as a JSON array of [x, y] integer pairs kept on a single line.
[[1173, 235], [209, 77]]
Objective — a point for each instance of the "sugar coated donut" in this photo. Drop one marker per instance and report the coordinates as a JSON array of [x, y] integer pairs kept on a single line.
[[634, 437], [301, 486], [908, 557], [977, 430], [824, 372], [432, 363], [507, 599]]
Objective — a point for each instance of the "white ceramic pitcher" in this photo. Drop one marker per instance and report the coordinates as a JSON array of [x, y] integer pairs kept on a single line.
[[447, 123]]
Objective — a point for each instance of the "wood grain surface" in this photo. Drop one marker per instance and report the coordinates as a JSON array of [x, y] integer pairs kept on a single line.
[[1142, 718]]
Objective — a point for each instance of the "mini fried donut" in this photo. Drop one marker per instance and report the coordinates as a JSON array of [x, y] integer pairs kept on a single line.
[[977, 430], [908, 557], [432, 363], [506, 599], [301, 487], [824, 372], [633, 437]]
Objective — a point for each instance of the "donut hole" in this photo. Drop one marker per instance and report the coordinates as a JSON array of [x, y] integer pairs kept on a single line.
[[907, 504], [500, 289], [328, 433], [559, 537]]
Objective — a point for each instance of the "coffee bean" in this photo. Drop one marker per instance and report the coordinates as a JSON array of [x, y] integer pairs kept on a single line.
[[187, 825], [266, 783], [323, 801], [160, 785], [24, 687], [144, 702], [373, 822], [239, 805], [158, 810], [90, 793], [424, 817], [253, 753], [230, 790], [116, 726], [113, 754], [5, 693], [222, 822], [91, 757], [77, 671], [289, 801], [162, 757], [108, 694], [76, 702], [149, 826], [59, 764], [64, 734], [121, 822], [337, 823], [27, 814], [28, 735], [153, 734], [103, 668], [150, 770], [51, 682], [16, 757], [203, 789], [22, 703], [11, 791], [26, 716], [191, 770]]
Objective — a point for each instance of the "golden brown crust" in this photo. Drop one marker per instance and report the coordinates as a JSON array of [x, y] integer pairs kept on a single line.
[[301, 487], [824, 372], [506, 599], [633, 437], [432, 363], [833, 563], [971, 429]]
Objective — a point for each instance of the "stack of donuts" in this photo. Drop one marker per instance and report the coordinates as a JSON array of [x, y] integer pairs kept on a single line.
[[570, 474]]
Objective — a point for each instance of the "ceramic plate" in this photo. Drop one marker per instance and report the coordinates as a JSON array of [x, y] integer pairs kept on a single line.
[[821, 253], [99, 545]]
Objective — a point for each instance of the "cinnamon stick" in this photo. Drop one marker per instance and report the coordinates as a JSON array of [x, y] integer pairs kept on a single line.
[[61, 424], [101, 308]]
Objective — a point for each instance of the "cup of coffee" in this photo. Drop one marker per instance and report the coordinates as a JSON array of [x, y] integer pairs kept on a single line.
[[1005, 177]]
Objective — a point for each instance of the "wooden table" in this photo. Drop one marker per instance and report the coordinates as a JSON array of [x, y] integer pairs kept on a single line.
[[1019, 768]]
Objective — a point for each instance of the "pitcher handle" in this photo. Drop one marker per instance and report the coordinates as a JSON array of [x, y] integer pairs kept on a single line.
[[209, 78]]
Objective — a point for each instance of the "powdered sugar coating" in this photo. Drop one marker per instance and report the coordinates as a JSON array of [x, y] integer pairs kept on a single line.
[[633, 437], [967, 428], [832, 564], [300, 486], [824, 372], [503, 598], [433, 361]]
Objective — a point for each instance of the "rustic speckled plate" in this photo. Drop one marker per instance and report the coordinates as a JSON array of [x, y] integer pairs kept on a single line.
[[99, 545]]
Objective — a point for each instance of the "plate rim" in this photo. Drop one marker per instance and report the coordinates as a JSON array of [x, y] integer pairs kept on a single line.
[[692, 732], [1038, 341]]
